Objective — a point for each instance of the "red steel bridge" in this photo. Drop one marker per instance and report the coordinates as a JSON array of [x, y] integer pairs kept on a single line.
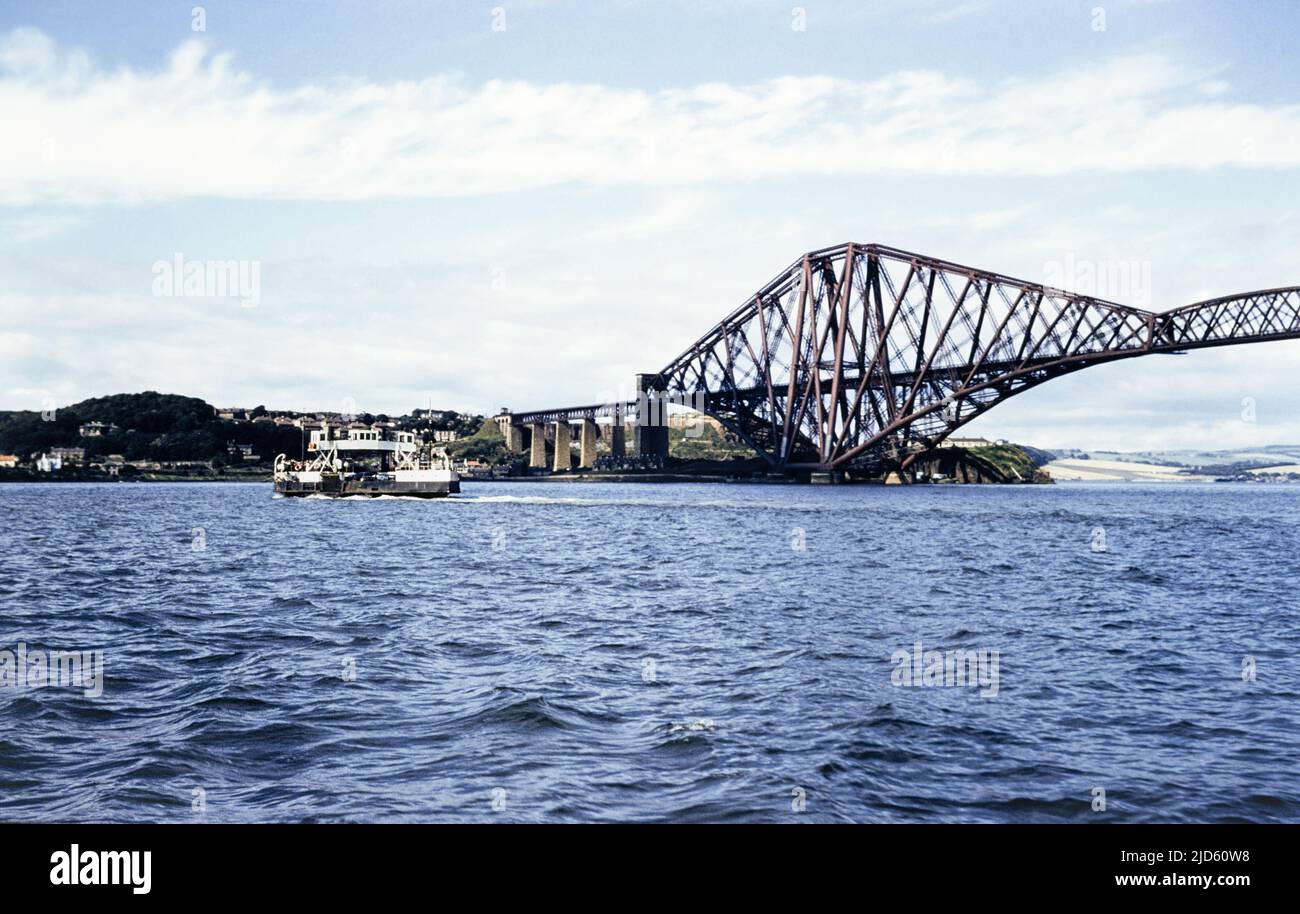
[[864, 357]]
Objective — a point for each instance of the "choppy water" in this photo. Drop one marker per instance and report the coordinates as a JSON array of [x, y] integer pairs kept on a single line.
[[562, 652]]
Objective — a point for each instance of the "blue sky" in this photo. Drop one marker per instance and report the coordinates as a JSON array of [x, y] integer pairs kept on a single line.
[[441, 209]]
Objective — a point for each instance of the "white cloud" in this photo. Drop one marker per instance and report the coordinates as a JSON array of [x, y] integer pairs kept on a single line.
[[200, 127]]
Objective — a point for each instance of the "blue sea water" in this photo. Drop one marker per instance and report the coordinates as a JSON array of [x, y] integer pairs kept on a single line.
[[559, 652]]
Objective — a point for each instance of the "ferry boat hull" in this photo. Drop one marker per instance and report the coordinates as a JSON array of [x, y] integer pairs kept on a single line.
[[343, 488]]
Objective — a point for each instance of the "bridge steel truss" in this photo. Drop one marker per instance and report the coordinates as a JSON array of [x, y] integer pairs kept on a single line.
[[612, 411], [864, 356]]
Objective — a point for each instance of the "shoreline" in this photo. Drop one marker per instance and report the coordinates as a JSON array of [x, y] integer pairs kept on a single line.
[[573, 478]]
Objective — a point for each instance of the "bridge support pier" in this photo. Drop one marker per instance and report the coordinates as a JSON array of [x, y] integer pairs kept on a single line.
[[563, 453], [617, 439], [651, 431], [537, 453], [514, 439], [587, 451]]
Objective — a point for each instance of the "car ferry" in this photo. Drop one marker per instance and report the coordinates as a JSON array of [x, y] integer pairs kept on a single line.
[[365, 460]]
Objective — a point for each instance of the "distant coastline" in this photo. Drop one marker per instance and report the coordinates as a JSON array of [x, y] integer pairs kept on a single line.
[[1255, 467]]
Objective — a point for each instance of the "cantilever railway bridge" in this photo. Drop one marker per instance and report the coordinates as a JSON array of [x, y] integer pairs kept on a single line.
[[865, 357]]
